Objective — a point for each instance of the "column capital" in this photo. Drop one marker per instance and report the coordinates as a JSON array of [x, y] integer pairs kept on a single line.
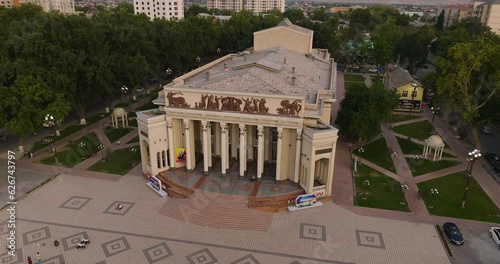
[[299, 133], [260, 131], [280, 132], [223, 127], [169, 122], [243, 129], [186, 124]]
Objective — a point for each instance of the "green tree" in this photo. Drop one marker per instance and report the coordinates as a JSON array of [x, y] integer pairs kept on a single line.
[[469, 78], [294, 15], [382, 52], [362, 110]]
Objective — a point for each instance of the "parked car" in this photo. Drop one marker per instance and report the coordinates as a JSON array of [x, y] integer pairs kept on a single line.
[[372, 70], [486, 130], [495, 235], [494, 160], [454, 235]]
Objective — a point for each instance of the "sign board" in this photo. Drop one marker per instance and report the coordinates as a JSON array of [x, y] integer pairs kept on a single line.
[[155, 183], [306, 200], [181, 155]]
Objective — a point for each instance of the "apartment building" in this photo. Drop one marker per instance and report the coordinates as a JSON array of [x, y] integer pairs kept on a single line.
[[488, 12], [166, 9], [454, 13], [63, 6], [257, 6]]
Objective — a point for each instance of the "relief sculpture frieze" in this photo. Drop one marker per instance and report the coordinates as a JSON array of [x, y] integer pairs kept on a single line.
[[176, 101], [289, 108]]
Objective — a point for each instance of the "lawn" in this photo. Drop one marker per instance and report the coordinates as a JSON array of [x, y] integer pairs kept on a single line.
[[114, 134], [66, 132], [378, 153], [136, 139], [382, 192], [377, 79], [119, 161], [75, 152], [423, 166], [353, 78], [349, 85], [451, 190], [409, 147], [419, 130], [395, 118]]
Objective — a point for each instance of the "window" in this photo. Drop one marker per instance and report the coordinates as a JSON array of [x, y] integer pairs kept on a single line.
[[175, 13], [175, 8], [414, 94], [405, 94], [175, 3]]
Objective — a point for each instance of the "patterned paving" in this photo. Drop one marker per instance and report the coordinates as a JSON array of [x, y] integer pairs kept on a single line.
[[370, 239], [36, 235], [203, 256], [71, 241], [157, 253], [313, 232], [112, 209], [75, 203]]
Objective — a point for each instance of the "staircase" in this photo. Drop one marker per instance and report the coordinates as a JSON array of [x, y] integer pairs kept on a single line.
[[218, 210], [174, 189]]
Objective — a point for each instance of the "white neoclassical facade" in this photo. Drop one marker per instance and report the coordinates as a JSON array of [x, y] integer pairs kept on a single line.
[[265, 110]]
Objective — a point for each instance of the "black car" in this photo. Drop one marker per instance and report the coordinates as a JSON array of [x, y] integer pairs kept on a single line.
[[453, 233], [494, 161]]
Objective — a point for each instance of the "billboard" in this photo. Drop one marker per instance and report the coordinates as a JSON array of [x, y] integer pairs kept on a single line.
[[180, 155]]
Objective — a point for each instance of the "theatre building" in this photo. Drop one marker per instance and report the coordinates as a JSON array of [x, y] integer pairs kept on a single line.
[[261, 113]]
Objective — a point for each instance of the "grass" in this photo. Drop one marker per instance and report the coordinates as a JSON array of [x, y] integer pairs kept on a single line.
[[378, 153], [113, 134], [383, 192], [119, 161], [136, 139], [75, 152], [42, 143], [353, 78], [395, 118], [349, 85], [377, 79], [419, 130], [409, 147], [451, 189], [424, 166]]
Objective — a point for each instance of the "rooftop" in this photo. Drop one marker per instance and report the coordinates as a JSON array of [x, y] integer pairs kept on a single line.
[[266, 72], [287, 23], [400, 77]]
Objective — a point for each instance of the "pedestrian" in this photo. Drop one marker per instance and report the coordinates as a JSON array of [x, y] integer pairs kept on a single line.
[[30, 154], [38, 258], [30, 261], [118, 142]]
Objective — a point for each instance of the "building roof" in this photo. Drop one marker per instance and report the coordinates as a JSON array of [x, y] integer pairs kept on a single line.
[[267, 72], [400, 77], [287, 23]]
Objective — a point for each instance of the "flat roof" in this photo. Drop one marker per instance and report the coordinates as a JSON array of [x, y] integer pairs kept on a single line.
[[267, 72]]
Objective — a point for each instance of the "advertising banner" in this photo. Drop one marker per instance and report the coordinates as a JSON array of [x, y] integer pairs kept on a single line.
[[155, 183], [180, 155], [306, 200]]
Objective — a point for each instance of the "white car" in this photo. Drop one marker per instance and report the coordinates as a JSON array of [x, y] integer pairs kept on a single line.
[[372, 70], [495, 235]]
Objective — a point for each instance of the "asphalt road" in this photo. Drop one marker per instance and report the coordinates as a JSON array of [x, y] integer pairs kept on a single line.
[[478, 246]]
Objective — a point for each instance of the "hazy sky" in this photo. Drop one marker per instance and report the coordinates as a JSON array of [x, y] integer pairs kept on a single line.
[[414, 2]]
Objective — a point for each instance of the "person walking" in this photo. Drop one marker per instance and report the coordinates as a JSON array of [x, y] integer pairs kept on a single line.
[[118, 143], [30, 261], [38, 258]]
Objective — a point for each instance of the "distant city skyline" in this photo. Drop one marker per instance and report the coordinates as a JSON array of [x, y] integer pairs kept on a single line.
[[389, 2]]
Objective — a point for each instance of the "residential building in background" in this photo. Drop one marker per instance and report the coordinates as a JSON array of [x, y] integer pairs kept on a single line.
[[63, 6], [454, 13], [488, 12], [167, 9], [410, 91], [257, 6]]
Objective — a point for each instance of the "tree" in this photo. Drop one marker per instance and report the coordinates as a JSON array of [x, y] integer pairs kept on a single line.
[[469, 78], [381, 52], [363, 109], [294, 15], [440, 21]]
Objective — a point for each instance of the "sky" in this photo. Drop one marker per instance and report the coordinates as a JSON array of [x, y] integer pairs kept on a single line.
[[414, 2]]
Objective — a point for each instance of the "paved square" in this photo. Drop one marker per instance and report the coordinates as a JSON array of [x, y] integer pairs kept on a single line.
[[158, 252], [203, 256], [116, 246], [36, 235], [59, 259], [71, 241], [248, 259], [112, 208], [370, 239], [75, 202], [314, 232], [8, 259]]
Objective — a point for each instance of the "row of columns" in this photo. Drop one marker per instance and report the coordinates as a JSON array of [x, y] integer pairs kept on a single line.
[[223, 148]]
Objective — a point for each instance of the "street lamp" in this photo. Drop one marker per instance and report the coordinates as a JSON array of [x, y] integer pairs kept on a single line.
[[168, 71], [218, 50], [434, 192], [405, 188], [124, 89], [414, 85], [435, 110], [366, 183], [54, 149], [198, 60], [472, 157], [352, 170], [102, 152]]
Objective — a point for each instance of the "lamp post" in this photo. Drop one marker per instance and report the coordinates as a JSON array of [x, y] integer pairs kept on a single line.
[[472, 157], [366, 183], [102, 152], [124, 89], [54, 148], [434, 192], [414, 85], [352, 170], [218, 50], [435, 110], [360, 150], [198, 60], [168, 71], [405, 188]]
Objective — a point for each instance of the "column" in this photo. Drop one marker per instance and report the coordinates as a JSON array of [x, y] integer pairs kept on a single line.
[[268, 142], [205, 146], [298, 147], [187, 140], [250, 138], [223, 142], [331, 164], [209, 150], [217, 140], [278, 154], [243, 160], [234, 141], [227, 145], [260, 151], [171, 149]]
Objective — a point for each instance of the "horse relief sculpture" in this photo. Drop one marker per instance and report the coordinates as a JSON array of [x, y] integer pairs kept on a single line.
[[255, 106], [289, 108], [176, 101]]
